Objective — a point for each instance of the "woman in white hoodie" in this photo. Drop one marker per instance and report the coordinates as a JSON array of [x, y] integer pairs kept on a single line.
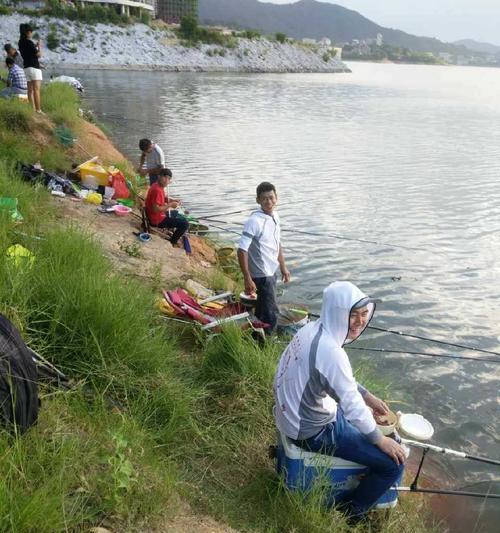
[[315, 365]]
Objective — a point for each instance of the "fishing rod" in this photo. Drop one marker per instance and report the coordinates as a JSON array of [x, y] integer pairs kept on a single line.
[[437, 341], [430, 447], [226, 230], [331, 235], [209, 217], [448, 451], [448, 492], [128, 119], [448, 356]]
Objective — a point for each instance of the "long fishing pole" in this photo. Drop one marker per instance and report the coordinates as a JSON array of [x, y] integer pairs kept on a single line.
[[448, 492], [209, 217], [448, 356], [331, 235], [448, 451], [437, 341], [431, 447]]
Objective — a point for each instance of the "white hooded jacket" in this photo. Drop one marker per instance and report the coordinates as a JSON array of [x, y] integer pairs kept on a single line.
[[314, 366]]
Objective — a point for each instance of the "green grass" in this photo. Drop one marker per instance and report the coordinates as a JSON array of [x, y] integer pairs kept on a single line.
[[81, 463], [61, 103], [156, 411], [16, 125]]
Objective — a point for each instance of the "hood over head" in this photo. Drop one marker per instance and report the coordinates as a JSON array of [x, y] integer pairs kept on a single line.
[[339, 298]]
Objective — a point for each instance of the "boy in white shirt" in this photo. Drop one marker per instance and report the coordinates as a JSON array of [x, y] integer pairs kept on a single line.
[[260, 254]]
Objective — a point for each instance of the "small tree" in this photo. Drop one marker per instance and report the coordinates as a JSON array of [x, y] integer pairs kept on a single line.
[[189, 28], [280, 37], [52, 41]]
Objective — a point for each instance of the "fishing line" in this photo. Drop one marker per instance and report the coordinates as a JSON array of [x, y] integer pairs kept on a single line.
[[208, 216], [437, 341], [127, 119], [331, 235], [448, 356], [225, 229]]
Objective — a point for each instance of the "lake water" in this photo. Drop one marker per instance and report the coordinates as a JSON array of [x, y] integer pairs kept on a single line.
[[397, 154]]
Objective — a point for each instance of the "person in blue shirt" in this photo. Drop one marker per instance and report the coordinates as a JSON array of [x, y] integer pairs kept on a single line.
[[16, 80]]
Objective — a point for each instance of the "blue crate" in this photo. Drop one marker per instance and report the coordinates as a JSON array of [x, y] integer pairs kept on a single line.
[[301, 470]]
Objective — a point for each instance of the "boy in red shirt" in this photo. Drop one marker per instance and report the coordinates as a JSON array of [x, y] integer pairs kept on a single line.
[[158, 206]]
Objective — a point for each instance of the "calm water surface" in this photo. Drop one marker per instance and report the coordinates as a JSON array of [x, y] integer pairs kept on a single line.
[[400, 155]]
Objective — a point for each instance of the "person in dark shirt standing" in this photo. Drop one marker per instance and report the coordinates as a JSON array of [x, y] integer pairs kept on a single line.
[[31, 53]]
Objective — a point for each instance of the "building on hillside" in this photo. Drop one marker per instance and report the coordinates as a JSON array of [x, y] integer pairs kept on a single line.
[[126, 7], [306, 40], [172, 11], [325, 41], [445, 56], [379, 41]]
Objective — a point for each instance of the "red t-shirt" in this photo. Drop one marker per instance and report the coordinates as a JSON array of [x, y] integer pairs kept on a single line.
[[156, 196]]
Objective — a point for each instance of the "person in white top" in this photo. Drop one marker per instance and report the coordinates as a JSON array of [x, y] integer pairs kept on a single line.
[[152, 160], [315, 366], [260, 254]]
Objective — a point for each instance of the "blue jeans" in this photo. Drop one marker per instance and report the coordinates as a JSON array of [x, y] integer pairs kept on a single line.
[[8, 92], [266, 308], [342, 439]]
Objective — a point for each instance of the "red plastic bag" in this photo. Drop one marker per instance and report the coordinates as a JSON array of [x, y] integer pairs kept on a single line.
[[119, 185]]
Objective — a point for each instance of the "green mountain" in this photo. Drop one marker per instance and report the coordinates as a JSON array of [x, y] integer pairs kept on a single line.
[[309, 18], [475, 46]]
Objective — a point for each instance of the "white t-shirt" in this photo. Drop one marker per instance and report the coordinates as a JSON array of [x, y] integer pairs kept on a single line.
[[261, 240], [155, 158]]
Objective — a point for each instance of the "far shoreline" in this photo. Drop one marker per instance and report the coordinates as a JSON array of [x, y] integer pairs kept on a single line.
[[177, 69]]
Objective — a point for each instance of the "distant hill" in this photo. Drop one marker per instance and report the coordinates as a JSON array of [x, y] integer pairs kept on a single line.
[[309, 18], [476, 46]]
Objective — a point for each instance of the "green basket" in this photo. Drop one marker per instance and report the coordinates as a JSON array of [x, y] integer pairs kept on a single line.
[[10, 205], [64, 136]]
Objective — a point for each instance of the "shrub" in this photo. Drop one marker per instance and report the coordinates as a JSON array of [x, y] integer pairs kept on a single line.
[[52, 41], [145, 18], [189, 28], [251, 34], [280, 37]]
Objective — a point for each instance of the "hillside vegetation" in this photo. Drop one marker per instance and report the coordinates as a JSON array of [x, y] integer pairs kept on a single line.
[[313, 19]]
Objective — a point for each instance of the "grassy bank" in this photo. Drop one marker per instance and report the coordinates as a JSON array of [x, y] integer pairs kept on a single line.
[[157, 416]]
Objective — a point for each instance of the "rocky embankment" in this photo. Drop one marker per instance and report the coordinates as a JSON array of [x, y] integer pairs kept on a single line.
[[140, 47]]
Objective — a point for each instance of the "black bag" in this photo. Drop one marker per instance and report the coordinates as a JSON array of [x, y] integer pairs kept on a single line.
[[19, 402]]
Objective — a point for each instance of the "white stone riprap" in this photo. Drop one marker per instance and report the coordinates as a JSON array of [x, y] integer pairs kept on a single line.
[[139, 47]]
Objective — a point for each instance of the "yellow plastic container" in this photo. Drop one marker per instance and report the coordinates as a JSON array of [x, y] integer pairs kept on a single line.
[[92, 175]]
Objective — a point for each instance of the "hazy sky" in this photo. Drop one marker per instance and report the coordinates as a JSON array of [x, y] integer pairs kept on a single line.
[[448, 20]]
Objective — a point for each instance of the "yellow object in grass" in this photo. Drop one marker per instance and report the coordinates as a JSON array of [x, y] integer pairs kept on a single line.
[[20, 256], [214, 305], [165, 307], [94, 198], [198, 290]]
